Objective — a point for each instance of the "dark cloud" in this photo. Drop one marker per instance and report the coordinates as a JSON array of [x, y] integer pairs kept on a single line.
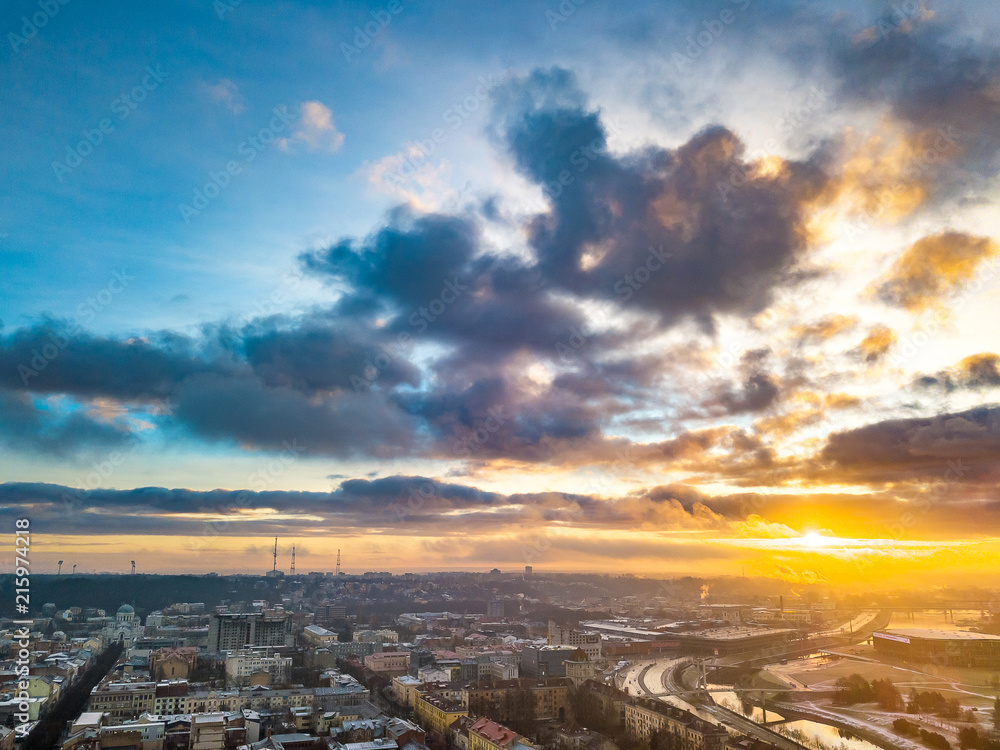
[[57, 357], [933, 75], [920, 449], [247, 412], [52, 430], [687, 233], [977, 372], [413, 502], [312, 356]]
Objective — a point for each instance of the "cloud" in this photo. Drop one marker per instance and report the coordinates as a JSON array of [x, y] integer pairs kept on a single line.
[[50, 429], [934, 268], [409, 176], [226, 93], [315, 128], [877, 342], [920, 449], [687, 233], [978, 372], [824, 329]]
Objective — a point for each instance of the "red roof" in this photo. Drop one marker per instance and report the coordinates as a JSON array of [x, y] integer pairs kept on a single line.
[[495, 733]]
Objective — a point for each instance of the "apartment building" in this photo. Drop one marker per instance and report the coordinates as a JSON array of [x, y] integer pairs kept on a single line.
[[243, 665], [123, 700], [589, 642], [485, 734], [389, 662], [436, 714], [687, 731], [233, 632]]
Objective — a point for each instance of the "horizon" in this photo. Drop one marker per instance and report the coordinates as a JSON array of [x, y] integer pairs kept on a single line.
[[665, 289]]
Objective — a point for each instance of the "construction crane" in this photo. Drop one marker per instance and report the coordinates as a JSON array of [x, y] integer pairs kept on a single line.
[[59, 572], [133, 567], [293, 560], [338, 562]]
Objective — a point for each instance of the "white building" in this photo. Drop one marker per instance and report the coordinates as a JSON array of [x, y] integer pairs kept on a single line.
[[126, 627], [242, 665]]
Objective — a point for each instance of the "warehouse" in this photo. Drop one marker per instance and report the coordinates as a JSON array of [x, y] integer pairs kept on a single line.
[[946, 647]]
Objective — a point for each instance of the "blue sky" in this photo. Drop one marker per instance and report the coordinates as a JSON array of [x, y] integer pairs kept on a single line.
[[854, 153]]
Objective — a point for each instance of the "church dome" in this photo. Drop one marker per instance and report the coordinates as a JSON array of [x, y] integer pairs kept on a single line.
[[126, 609]]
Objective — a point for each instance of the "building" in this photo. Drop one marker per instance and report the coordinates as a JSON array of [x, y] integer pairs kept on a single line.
[[318, 636], [589, 642], [579, 669], [501, 671], [686, 731], [499, 700], [173, 663], [171, 698], [242, 666], [123, 700], [126, 626], [943, 647], [436, 714], [606, 700], [488, 735], [494, 608], [392, 663], [232, 632], [403, 689], [546, 661], [733, 640]]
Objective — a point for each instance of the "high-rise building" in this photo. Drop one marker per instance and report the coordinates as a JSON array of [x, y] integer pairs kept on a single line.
[[232, 632]]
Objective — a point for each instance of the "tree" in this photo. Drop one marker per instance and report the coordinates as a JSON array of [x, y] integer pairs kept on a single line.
[[887, 696]]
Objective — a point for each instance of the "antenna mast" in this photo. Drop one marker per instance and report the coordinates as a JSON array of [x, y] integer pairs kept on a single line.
[[275, 566], [338, 562], [293, 560]]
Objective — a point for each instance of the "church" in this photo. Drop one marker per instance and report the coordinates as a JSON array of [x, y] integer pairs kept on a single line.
[[126, 626]]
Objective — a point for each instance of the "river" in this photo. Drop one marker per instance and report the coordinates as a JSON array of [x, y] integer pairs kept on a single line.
[[807, 732]]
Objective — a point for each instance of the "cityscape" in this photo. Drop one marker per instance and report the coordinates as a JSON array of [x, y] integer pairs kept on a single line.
[[501, 375]]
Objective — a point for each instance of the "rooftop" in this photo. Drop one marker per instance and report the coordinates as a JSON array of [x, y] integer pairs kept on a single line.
[[934, 634]]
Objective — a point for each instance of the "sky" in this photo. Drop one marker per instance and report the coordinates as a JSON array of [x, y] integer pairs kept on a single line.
[[666, 288]]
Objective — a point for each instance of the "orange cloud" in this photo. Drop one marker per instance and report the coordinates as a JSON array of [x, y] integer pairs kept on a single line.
[[932, 268], [877, 342]]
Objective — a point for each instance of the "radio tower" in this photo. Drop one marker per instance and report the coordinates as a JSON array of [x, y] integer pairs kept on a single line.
[[293, 560], [133, 567], [274, 567], [338, 562]]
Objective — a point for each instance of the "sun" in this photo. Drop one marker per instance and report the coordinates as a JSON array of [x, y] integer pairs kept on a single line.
[[815, 539]]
